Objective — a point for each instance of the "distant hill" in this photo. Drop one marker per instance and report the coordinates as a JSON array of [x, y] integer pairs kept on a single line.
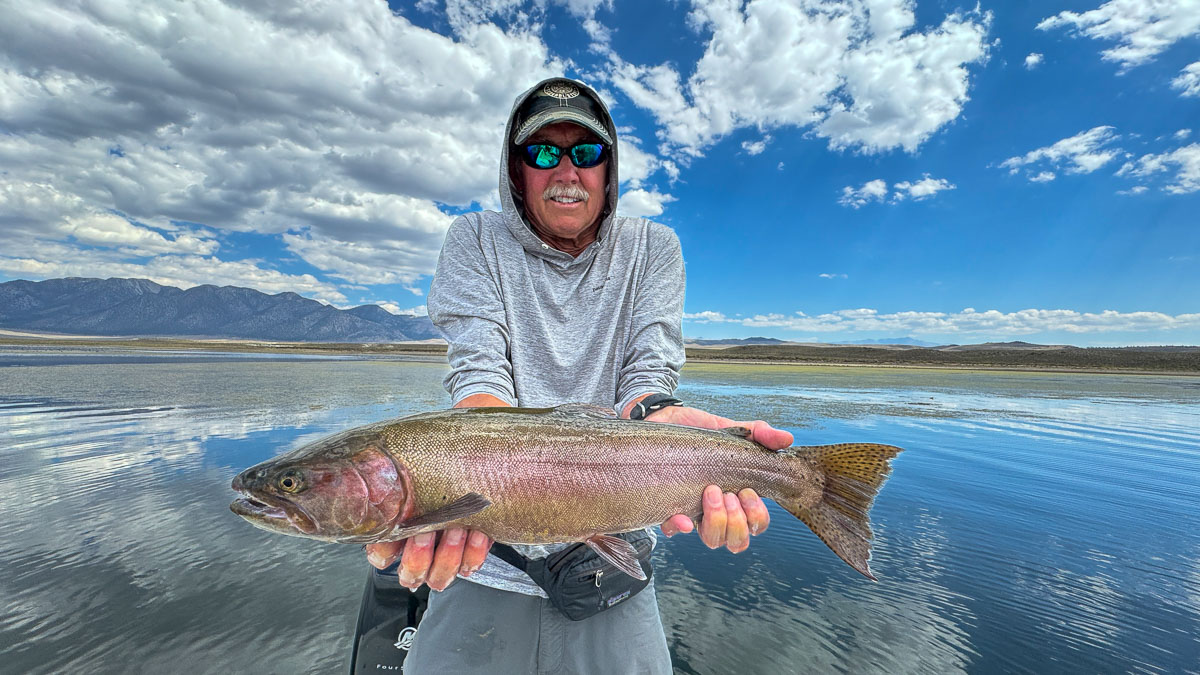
[[1015, 344], [894, 341], [140, 307], [700, 342]]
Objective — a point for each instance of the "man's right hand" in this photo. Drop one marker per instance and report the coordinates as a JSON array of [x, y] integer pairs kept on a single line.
[[433, 558]]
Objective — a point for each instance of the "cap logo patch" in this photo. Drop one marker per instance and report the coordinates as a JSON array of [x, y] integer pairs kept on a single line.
[[561, 90]]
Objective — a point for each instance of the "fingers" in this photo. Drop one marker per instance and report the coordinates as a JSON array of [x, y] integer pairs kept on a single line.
[[757, 516], [737, 534], [437, 560], [712, 526], [418, 556], [478, 545], [730, 520], [676, 524], [447, 558], [384, 553]]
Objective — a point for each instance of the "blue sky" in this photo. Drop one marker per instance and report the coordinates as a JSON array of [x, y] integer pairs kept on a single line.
[[836, 171]]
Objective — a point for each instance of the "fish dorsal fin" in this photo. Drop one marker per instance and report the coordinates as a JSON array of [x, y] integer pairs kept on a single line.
[[740, 432], [619, 552], [466, 505], [584, 410]]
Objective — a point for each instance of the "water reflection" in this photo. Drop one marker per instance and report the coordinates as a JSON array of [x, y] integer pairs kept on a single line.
[[806, 612], [1035, 522]]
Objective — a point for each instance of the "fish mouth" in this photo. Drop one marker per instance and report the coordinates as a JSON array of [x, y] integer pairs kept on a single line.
[[273, 514]]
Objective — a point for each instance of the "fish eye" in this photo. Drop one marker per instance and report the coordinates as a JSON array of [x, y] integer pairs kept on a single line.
[[291, 482]]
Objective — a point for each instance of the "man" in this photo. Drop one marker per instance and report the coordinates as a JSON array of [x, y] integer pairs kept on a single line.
[[555, 300]]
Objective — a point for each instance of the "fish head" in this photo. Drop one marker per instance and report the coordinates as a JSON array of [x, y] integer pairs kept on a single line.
[[345, 491]]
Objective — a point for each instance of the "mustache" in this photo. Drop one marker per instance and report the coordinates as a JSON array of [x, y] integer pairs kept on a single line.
[[568, 191]]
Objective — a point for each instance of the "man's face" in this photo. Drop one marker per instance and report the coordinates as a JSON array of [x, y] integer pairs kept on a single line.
[[564, 218]]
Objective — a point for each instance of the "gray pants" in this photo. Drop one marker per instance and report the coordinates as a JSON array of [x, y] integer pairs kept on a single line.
[[469, 628]]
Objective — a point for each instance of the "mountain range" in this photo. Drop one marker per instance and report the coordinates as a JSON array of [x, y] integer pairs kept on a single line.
[[140, 307]]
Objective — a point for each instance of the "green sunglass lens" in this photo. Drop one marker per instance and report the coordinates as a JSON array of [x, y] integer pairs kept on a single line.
[[543, 156], [587, 155]]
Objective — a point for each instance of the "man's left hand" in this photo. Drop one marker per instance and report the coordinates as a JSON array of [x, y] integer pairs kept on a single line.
[[729, 520]]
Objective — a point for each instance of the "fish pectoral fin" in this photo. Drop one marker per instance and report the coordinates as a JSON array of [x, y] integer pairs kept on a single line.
[[466, 505], [619, 552], [584, 410]]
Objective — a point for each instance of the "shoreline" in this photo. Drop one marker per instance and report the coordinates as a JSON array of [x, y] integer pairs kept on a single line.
[[948, 366], [1178, 363]]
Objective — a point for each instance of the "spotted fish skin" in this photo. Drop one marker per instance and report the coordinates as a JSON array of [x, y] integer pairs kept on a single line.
[[564, 474]]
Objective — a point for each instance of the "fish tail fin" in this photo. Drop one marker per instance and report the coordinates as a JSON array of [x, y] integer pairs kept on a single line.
[[836, 509]]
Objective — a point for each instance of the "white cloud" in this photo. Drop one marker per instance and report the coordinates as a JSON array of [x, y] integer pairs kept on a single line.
[[1186, 164], [340, 128], [465, 16], [637, 165], [420, 310], [672, 170], [756, 147], [1090, 150], [1033, 61], [968, 321], [706, 317], [922, 189], [1188, 82], [827, 275], [1135, 190], [877, 191], [1143, 29], [40, 212], [108, 229], [641, 203], [1082, 153], [856, 72], [872, 190]]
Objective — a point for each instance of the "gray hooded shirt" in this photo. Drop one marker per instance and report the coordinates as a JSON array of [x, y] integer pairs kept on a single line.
[[534, 327]]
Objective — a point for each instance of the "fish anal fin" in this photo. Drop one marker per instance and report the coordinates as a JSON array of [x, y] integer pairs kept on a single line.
[[466, 505], [619, 552]]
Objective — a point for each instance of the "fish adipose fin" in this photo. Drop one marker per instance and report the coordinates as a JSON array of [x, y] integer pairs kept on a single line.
[[619, 552], [466, 505], [853, 474], [740, 432]]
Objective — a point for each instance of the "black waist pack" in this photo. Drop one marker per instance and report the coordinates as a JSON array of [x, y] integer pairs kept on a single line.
[[579, 582]]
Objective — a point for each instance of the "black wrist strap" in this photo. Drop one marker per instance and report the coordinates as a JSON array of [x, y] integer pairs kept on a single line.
[[651, 403]]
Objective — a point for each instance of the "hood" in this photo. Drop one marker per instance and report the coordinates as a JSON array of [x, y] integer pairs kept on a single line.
[[514, 209]]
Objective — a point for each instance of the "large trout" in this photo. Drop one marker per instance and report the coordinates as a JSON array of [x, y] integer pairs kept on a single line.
[[574, 473]]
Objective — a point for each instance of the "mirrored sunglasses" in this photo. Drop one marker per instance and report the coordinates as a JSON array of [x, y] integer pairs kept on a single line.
[[547, 156]]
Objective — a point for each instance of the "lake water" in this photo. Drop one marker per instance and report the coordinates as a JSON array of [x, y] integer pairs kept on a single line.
[[1036, 522]]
